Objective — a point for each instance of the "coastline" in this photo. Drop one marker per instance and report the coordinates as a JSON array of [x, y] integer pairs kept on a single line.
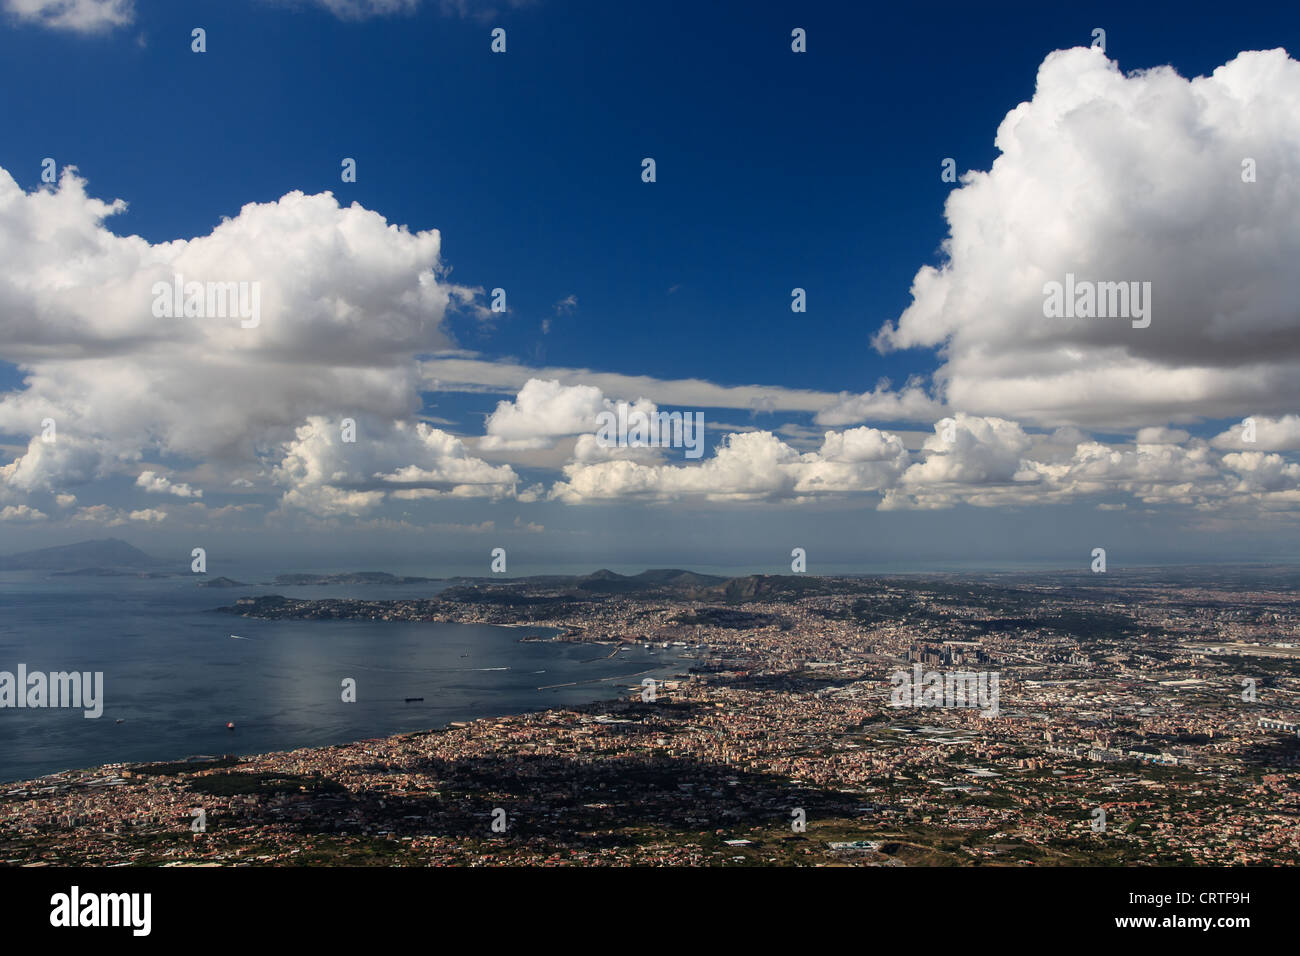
[[787, 714], [111, 768]]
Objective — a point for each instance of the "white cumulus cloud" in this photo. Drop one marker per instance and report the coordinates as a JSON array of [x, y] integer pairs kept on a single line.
[[1114, 177]]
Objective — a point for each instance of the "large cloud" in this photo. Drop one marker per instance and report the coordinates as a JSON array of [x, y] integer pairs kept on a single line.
[[1115, 177], [347, 302]]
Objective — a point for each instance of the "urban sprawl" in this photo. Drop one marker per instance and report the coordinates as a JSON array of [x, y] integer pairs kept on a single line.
[[1142, 718]]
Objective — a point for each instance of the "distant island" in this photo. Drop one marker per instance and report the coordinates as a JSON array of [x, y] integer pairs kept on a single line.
[[113, 573], [101, 556], [222, 582], [563, 600]]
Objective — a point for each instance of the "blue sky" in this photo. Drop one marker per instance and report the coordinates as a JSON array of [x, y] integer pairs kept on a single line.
[[775, 170]]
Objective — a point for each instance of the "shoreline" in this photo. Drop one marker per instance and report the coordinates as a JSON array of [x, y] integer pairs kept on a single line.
[[8, 786], [788, 709]]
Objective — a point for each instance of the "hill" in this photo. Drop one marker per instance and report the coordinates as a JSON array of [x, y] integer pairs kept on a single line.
[[763, 587], [660, 579]]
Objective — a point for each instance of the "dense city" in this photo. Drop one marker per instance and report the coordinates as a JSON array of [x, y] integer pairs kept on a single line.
[[1142, 718]]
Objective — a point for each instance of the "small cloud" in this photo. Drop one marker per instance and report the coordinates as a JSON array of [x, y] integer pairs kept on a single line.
[[465, 299], [480, 10], [114, 517], [532, 493], [160, 484]]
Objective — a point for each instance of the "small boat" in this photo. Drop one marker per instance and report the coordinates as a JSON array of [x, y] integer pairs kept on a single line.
[[121, 720], [230, 725], [413, 700]]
